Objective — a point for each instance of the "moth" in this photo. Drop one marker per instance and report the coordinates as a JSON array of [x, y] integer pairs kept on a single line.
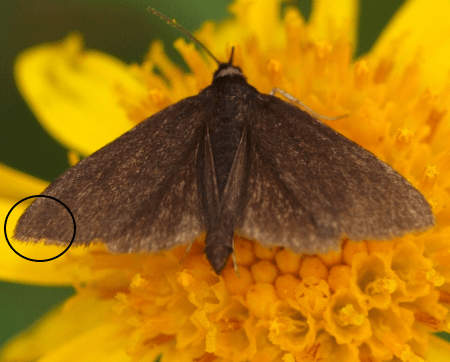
[[228, 160]]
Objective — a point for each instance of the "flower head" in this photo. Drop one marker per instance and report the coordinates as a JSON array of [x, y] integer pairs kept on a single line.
[[372, 301]]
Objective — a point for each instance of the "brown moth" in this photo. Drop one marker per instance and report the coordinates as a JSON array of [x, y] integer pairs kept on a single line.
[[227, 160]]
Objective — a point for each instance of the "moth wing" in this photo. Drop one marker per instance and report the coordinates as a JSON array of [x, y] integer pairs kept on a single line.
[[137, 193], [308, 185]]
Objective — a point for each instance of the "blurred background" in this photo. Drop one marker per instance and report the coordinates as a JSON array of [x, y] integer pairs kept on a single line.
[[124, 29]]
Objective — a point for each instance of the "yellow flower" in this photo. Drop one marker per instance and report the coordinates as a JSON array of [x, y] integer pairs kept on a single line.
[[373, 301]]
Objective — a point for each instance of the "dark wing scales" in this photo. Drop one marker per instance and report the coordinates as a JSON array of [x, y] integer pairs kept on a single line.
[[137, 193], [309, 185]]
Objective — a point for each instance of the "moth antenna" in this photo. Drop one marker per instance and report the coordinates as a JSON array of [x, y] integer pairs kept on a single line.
[[230, 62], [184, 31]]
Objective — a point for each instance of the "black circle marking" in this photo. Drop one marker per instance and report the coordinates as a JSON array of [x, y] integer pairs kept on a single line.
[[40, 260]]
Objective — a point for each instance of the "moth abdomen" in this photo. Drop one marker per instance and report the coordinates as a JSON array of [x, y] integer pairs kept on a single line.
[[219, 246]]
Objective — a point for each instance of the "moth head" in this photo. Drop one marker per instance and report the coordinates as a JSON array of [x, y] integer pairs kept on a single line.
[[228, 69]]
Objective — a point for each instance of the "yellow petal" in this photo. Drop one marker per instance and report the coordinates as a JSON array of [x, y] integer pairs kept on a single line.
[[334, 20], [15, 268], [17, 186], [439, 350], [59, 271], [75, 94], [79, 331], [419, 29], [250, 14]]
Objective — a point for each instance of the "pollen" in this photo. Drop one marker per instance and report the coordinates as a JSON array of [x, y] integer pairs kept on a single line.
[[285, 304], [348, 315]]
